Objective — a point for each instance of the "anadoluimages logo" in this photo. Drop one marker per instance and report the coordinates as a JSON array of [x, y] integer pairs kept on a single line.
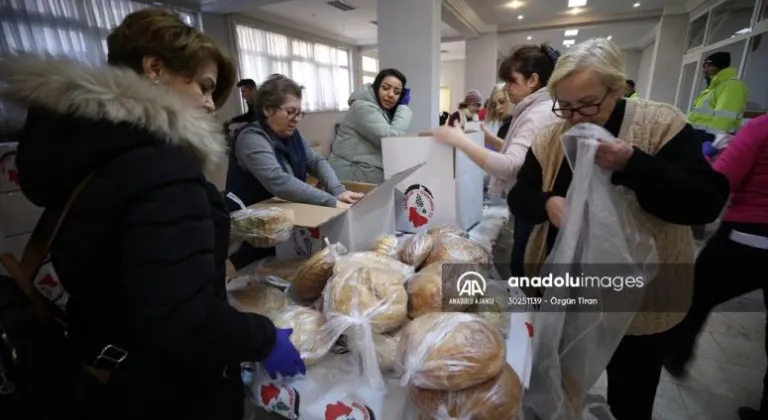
[[471, 284], [419, 202], [342, 411], [279, 399]]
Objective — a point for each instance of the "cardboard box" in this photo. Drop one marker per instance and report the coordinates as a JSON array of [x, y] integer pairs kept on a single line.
[[448, 189], [357, 228]]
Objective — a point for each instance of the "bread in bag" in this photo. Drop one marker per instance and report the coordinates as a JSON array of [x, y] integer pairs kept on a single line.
[[305, 323], [310, 279], [416, 249]]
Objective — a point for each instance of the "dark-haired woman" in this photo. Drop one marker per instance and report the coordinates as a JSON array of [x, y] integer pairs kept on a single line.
[[525, 73], [376, 111]]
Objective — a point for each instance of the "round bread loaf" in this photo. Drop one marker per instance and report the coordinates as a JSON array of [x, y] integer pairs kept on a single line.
[[431, 287], [373, 259], [262, 228], [457, 249], [447, 229], [259, 298], [449, 351], [305, 323], [386, 244], [309, 281], [376, 295], [416, 249], [499, 398], [386, 349]]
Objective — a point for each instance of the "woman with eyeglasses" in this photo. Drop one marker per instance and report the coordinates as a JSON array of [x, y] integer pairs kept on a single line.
[[658, 165], [270, 158]]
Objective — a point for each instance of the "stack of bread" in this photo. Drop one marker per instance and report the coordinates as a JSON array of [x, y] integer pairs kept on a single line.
[[454, 367], [262, 228]]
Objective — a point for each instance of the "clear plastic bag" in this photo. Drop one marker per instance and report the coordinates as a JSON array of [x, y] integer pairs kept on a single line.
[[572, 349], [449, 351], [448, 229], [258, 297], [433, 285], [306, 324], [416, 249], [360, 301], [310, 279], [386, 245], [458, 249], [263, 228], [373, 260], [499, 398]]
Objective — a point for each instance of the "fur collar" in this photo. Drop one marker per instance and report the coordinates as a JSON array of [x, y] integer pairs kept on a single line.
[[120, 95]]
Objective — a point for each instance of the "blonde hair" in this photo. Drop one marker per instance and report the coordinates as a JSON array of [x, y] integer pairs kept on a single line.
[[491, 115], [598, 54]]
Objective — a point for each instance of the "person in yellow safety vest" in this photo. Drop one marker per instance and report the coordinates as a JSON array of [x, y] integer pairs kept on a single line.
[[719, 108], [629, 90]]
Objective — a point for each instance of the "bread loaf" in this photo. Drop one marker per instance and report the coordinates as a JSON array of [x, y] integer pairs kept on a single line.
[[305, 323], [386, 349], [262, 228], [416, 249], [449, 248], [386, 244], [447, 229], [449, 352], [373, 260], [309, 281], [375, 295], [499, 398], [430, 288], [284, 269], [259, 298]]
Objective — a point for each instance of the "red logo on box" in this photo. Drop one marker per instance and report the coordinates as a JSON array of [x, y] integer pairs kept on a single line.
[[282, 400], [354, 411], [419, 202]]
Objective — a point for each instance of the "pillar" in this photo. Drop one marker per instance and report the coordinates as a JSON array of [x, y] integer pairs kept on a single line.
[[409, 40], [481, 64], [667, 58]]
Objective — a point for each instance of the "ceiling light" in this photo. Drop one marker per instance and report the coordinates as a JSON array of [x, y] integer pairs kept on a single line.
[[530, 38], [519, 17], [571, 32], [575, 11], [577, 3], [636, 5], [514, 4], [569, 42], [609, 37]]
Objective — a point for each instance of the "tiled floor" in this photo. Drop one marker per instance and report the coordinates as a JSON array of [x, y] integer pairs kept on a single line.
[[726, 374]]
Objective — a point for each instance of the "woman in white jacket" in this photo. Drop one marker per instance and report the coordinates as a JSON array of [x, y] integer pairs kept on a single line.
[[525, 73]]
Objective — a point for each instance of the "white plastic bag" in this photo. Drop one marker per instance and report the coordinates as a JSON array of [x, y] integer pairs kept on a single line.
[[572, 348], [262, 228]]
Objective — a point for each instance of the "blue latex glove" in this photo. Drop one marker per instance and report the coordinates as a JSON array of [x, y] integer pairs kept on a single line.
[[406, 99], [707, 149], [284, 359]]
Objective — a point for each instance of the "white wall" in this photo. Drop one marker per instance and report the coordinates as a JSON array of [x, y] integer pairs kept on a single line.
[[642, 82], [632, 63], [452, 75]]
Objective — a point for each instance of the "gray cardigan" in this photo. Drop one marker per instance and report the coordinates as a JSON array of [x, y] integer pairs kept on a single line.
[[256, 153]]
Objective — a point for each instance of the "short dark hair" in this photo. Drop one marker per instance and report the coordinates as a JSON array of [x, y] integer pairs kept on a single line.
[[530, 59], [249, 83], [180, 47], [631, 83], [272, 93]]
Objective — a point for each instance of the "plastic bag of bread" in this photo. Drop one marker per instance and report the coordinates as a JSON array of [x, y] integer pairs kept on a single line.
[[359, 302], [386, 245], [262, 228], [259, 298], [447, 229], [373, 260], [272, 267], [306, 324], [386, 349], [429, 289], [495, 312], [416, 249], [498, 398], [457, 249], [310, 279], [449, 352]]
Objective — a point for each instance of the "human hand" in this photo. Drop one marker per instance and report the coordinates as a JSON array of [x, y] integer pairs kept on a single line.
[[555, 210], [613, 156], [406, 98], [350, 197], [451, 135], [284, 359], [708, 150], [342, 205]]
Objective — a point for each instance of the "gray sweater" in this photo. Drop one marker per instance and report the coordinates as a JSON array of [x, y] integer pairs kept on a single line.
[[256, 153]]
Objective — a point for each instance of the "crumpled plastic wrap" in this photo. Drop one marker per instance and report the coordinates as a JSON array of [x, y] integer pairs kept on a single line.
[[449, 352], [306, 324], [259, 298], [262, 228], [309, 281], [386, 245], [498, 398], [448, 229], [452, 248], [360, 301], [373, 260], [416, 249]]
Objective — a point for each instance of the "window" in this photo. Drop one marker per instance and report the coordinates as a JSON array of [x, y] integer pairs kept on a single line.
[[75, 28], [696, 31], [370, 69], [322, 69], [754, 73], [730, 19]]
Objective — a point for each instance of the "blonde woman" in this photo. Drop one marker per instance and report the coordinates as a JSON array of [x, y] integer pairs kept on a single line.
[[498, 118], [657, 163]]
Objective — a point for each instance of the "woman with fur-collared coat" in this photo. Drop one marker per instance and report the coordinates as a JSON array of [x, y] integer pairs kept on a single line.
[[657, 163], [142, 251]]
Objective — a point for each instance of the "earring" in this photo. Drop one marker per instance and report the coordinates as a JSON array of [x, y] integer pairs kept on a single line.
[[155, 81]]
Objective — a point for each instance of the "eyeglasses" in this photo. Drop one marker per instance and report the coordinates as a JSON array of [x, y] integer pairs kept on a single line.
[[295, 114], [585, 111]]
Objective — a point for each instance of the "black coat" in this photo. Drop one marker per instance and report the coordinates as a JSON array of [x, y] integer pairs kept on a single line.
[[143, 250]]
